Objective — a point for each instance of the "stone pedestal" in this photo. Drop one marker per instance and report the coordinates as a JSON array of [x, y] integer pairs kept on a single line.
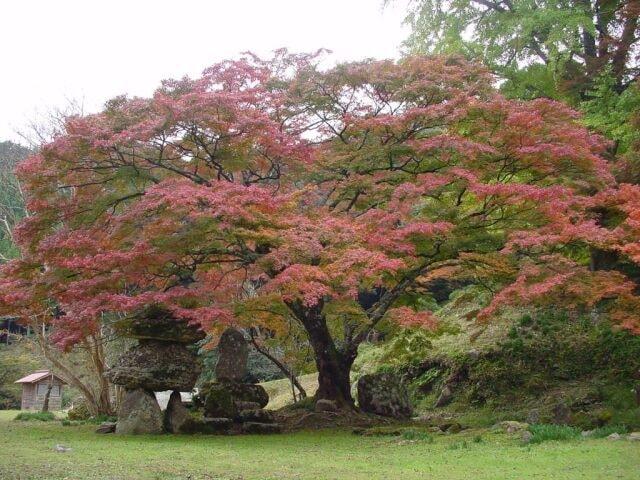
[[176, 414], [161, 361], [139, 413]]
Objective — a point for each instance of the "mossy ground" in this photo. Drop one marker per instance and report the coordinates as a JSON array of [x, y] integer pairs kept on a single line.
[[26, 452]]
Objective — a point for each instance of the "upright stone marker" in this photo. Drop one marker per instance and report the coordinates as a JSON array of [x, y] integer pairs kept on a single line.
[[139, 413], [233, 353]]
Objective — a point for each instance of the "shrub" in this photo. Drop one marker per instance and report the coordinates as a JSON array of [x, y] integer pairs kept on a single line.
[[80, 411], [545, 432], [31, 416], [603, 432]]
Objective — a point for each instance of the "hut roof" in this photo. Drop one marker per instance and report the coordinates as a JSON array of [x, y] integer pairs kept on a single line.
[[37, 376]]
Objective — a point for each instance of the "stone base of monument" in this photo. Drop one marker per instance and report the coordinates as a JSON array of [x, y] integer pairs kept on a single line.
[[139, 413], [163, 360], [256, 427], [229, 407]]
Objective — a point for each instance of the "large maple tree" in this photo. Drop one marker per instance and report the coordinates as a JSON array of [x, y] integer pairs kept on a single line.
[[271, 192]]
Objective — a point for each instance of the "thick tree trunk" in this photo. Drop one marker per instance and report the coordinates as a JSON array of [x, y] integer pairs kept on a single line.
[[334, 381], [334, 366]]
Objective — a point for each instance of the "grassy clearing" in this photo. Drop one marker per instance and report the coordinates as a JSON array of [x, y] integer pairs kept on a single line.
[[26, 452], [280, 390]]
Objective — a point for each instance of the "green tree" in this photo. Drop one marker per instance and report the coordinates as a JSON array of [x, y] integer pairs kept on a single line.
[[12, 207], [551, 48]]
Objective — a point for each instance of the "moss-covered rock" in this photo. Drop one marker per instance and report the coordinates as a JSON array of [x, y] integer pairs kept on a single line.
[[156, 323], [196, 423], [218, 401], [156, 366], [384, 394]]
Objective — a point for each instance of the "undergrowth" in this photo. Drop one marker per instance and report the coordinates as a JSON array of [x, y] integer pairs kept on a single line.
[[546, 432], [35, 416]]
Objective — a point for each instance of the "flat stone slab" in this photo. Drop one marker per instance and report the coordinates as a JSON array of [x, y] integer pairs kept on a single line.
[[156, 366], [155, 323]]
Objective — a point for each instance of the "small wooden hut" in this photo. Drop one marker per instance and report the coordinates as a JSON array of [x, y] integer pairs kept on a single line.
[[35, 387]]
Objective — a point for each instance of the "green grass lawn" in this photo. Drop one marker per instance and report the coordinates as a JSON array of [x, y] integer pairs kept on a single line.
[[26, 452]]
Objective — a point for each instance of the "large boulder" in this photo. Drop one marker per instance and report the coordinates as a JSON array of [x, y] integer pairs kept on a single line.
[[139, 413], [218, 402], [247, 392], [176, 413], [233, 353], [225, 399], [156, 366], [261, 416], [197, 424], [106, 427], [384, 394], [156, 323]]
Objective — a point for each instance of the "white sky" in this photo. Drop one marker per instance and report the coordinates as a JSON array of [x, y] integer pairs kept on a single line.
[[93, 50]]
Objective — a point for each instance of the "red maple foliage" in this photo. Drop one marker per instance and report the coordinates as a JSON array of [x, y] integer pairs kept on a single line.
[[269, 191]]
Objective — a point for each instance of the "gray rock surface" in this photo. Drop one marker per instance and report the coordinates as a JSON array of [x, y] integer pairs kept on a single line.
[[176, 413], [233, 353], [324, 405], [106, 427], [156, 323], [384, 394], [218, 401], [139, 413], [217, 393], [156, 366], [261, 416], [262, 428], [206, 425]]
